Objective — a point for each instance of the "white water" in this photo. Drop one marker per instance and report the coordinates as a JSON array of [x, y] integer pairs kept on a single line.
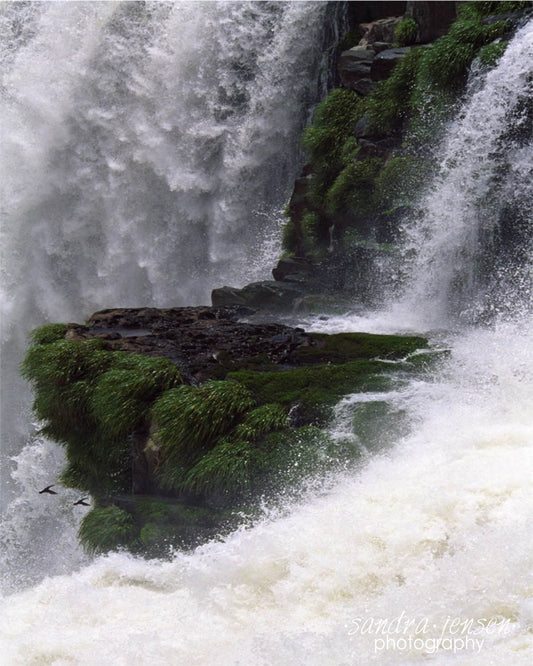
[[435, 532]]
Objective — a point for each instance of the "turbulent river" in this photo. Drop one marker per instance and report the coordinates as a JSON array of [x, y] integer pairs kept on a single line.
[[148, 152]]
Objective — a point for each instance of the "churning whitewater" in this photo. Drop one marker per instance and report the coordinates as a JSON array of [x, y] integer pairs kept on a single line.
[[420, 556]]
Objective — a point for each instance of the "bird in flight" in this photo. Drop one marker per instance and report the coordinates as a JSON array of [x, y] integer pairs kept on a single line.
[[82, 501], [47, 490]]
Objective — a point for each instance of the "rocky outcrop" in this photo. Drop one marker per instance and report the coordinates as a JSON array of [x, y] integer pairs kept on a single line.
[[178, 420], [380, 31], [368, 134], [267, 294], [361, 67], [204, 342]]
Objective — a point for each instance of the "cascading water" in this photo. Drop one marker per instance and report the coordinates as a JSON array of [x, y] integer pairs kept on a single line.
[[148, 151], [431, 535], [480, 200]]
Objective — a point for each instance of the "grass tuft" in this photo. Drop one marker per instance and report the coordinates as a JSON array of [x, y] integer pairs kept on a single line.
[[108, 528]]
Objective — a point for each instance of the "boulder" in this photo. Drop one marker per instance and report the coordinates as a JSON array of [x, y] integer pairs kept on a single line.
[[380, 31], [365, 12], [354, 65], [200, 418], [363, 128], [293, 269], [382, 46]]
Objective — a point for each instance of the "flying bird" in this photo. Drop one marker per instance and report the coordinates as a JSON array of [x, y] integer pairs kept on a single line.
[[47, 490], [82, 501]]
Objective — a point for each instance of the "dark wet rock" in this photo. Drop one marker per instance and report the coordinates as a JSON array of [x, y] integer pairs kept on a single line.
[[354, 66], [365, 86], [294, 269], [513, 17], [377, 146], [363, 128], [384, 62], [269, 294], [203, 341], [365, 12], [433, 18], [381, 46]]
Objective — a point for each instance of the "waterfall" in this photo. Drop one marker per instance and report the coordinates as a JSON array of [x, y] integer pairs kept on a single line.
[[422, 554], [148, 152], [479, 203]]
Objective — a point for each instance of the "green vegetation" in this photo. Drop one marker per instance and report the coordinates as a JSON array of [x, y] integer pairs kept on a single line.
[[406, 32], [107, 528], [491, 53], [315, 389], [343, 347], [428, 79], [325, 140], [48, 333], [92, 400], [390, 106], [293, 456], [398, 179], [190, 420], [352, 191], [377, 424]]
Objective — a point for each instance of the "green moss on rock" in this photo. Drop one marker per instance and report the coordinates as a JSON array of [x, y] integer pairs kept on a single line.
[[315, 389], [191, 419], [216, 446], [92, 400], [343, 347]]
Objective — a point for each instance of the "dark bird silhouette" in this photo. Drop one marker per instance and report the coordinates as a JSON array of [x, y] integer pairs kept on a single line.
[[47, 490], [82, 501]]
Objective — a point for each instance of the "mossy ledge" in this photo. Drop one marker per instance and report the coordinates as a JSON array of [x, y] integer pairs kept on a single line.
[[178, 421]]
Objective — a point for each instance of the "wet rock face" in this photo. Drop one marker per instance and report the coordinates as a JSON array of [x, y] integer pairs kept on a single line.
[[354, 69], [433, 18], [385, 62], [204, 342]]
